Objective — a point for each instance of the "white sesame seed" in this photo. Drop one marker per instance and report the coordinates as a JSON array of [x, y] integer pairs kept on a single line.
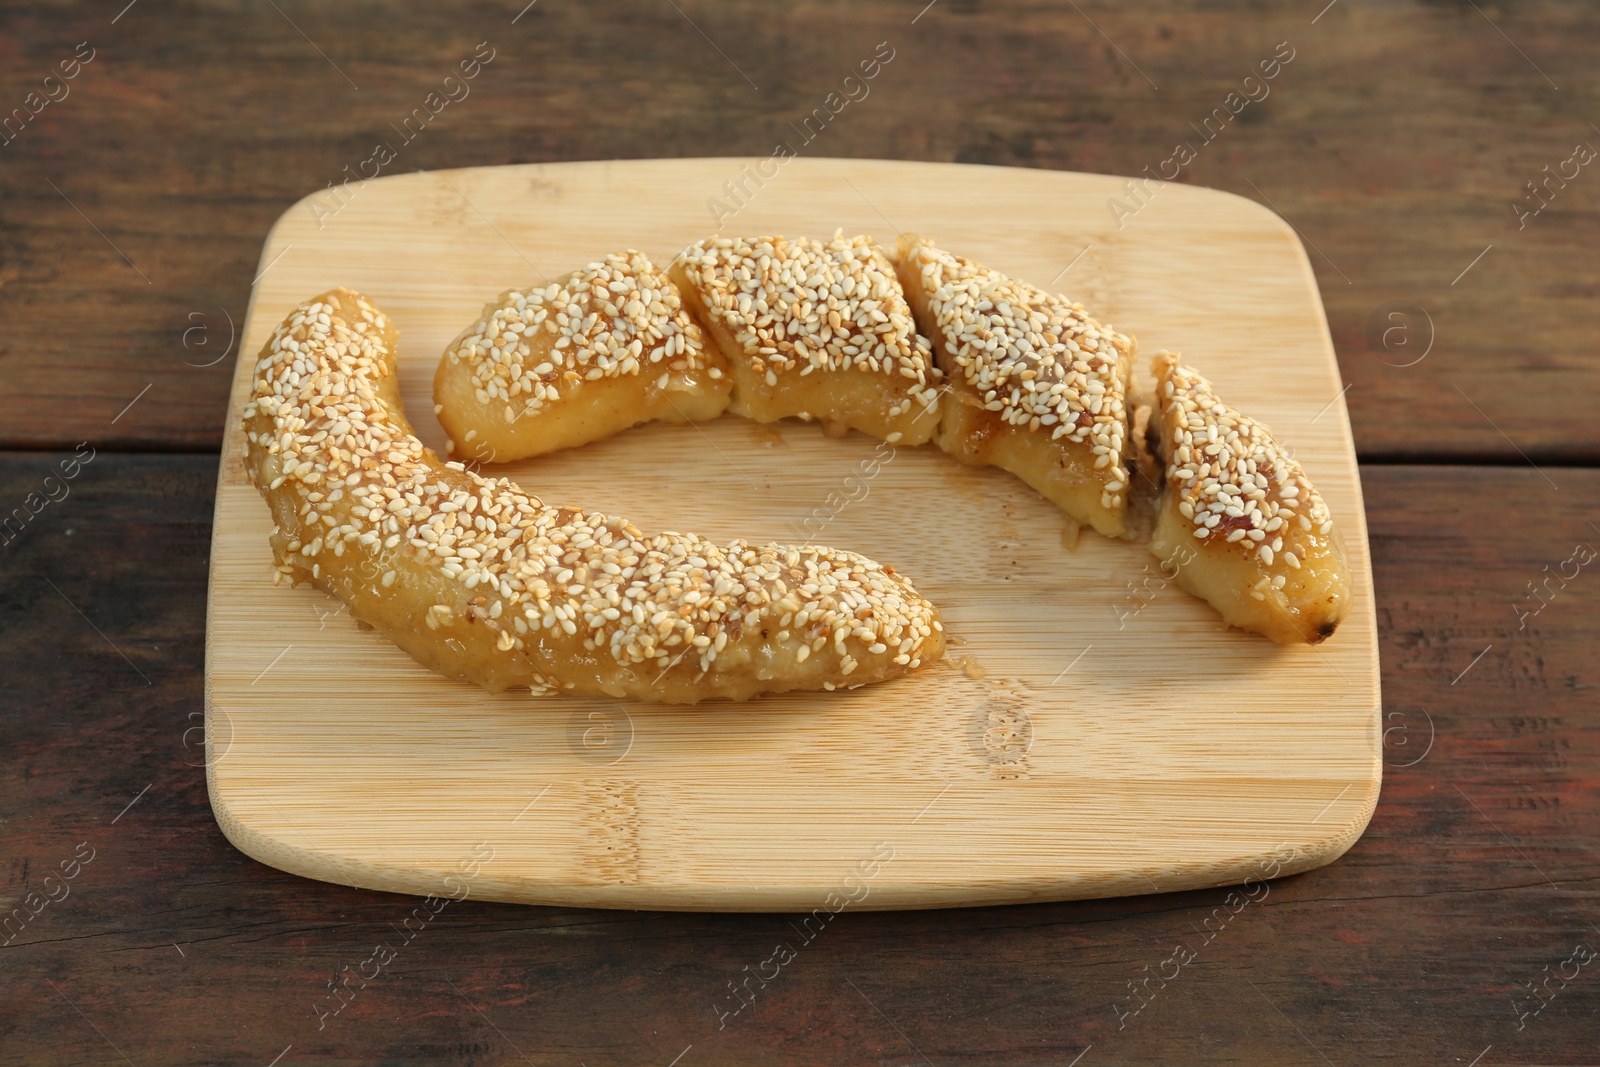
[[802, 305], [1218, 458], [593, 324], [486, 548]]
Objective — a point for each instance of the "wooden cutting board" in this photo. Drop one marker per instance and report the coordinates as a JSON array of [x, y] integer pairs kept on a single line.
[[1094, 731]]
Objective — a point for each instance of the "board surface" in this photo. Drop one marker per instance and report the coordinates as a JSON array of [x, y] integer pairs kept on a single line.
[[1093, 730]]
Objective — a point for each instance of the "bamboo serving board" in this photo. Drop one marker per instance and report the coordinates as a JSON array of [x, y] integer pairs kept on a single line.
[[1093, 731]]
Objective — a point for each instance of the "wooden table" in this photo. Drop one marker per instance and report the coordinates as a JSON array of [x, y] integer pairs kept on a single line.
[[1399, 141]]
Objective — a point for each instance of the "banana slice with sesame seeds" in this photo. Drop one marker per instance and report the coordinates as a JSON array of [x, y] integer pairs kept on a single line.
[[479, 580], [814, 329], [586, 356], [1238, 518], [1037, 387]]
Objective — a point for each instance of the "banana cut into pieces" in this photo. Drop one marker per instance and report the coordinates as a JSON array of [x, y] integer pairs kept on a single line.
[[814, 330], [577, 360], [477, 579], [1239, 520], [1036, 386]]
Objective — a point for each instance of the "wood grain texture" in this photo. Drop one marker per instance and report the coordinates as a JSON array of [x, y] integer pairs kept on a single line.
[[1409, 950], [1115, 743], [1396, 141]]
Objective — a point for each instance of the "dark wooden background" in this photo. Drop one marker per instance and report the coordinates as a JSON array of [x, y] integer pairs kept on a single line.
[[132, 213]]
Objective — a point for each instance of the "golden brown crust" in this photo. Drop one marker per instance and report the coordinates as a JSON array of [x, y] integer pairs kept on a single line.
[[580, 359], [477, 579], [1037, 387], [1240, 520], [814, 329]]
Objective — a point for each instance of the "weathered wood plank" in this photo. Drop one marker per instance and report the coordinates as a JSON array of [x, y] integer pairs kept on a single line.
[[1478, 870], [1397, 138]]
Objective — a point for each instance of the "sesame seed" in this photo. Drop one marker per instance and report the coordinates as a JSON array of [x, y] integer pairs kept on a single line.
[[799, 306], [578, 586], [1218, 459], [617, 317], [1036, 359]]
